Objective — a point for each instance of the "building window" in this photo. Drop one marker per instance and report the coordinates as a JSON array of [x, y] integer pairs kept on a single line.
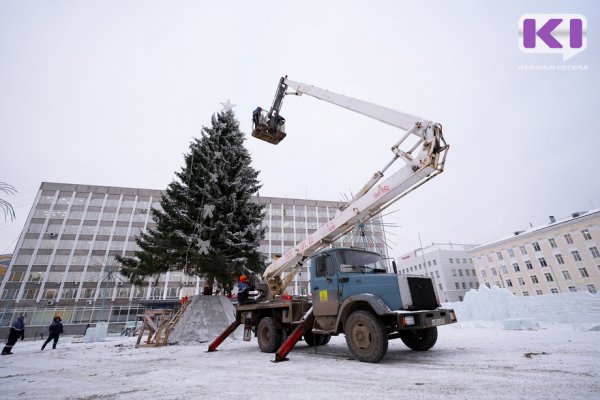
[[511, 253], [543, 262], [437, 274], [434, 262], [523, 250], [584, 273], [451, 261], [591, 288], [483, 273], [460, 272], [572, 289], [503, 269], [560, 259], [539, 292], [586, 234], [576, 255], [456, 284], [525, 294], [549, 277], [528, 264], [516, 267], [594, 251], [489, 258], [464, 260], [521, 281], [536, 246], [467, 272], [453, 272], [553, 290], [499, 255], [474, 274], [509, 283], [458, 260], [464, 286], [569, 239], [494, 271], [534, 279], [440, 286], [552, 243], [566, 275]]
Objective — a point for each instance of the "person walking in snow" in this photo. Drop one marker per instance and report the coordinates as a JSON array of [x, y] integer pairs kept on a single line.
[[55, 329], [17, 330]]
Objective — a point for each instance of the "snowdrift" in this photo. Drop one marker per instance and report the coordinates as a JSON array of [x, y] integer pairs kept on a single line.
[[500, 304]]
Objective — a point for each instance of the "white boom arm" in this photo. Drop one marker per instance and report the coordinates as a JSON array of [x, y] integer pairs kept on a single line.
[[424, 158]]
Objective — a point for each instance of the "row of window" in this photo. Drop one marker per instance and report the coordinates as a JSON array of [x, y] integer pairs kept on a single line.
[[299, 212], [457, 260], [582, 270], [590, 288], [94, 293], [467, 272], [536, 245], [91, 276], [97, 200]]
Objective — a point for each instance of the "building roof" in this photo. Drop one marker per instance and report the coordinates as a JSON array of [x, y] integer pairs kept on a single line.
[[554, 223]]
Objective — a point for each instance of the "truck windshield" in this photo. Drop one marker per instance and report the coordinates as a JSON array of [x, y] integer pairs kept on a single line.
[[360, 262]]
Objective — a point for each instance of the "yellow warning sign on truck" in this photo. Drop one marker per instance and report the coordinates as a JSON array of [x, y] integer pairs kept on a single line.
[[322, 295]]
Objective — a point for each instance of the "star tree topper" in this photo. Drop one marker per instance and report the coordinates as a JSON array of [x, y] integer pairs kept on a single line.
[[228, 106]]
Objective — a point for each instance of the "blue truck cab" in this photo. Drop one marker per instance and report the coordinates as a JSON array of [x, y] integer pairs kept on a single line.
[[355, 293]]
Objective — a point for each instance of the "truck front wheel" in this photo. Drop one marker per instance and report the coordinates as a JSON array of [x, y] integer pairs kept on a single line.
[[269, 338], [420, 339], [365, 336]]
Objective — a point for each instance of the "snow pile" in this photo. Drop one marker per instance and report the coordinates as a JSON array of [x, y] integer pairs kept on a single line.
[[204, 319], [500, 304]]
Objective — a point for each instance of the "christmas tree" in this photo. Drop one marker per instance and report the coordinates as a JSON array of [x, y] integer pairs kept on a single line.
[[208, 225]]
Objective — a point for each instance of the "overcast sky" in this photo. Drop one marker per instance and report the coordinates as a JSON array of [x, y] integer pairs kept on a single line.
[[112, 92]]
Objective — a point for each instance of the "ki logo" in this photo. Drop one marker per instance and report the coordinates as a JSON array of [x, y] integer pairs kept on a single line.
[[565, 34]]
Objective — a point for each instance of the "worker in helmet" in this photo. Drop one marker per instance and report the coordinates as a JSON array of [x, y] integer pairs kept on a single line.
[[256, 116], [244, 290]]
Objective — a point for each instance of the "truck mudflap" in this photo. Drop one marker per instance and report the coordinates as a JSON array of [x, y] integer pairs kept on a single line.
[[425, 319]]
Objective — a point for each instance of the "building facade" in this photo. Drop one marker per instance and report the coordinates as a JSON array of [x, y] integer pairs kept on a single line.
[[64, 258], [561, 256], [449, 265]]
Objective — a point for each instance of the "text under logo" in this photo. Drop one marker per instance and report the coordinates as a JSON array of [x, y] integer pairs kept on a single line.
[[565, 34]]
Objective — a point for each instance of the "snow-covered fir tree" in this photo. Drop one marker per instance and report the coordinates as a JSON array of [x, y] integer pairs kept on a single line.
[[208, 225]]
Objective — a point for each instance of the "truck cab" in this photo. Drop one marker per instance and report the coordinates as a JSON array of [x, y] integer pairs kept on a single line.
[[355, 293]]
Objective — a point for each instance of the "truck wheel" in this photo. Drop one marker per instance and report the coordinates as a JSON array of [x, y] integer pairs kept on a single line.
[[420, 339], [365, 336], [313, 339], [269, 338]]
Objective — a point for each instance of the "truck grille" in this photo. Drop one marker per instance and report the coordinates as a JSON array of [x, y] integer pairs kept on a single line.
[[422, 293]]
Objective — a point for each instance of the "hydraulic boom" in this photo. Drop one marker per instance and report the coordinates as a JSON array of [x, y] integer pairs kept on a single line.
[[421, 148]]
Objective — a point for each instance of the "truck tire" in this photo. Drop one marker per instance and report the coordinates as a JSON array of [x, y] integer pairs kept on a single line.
[[420, 339], [365, 336], [317, 339], [269, 338]]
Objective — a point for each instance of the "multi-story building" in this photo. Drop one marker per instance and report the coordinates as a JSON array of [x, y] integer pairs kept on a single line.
[[449, 265], [64, 258], [561, 256]]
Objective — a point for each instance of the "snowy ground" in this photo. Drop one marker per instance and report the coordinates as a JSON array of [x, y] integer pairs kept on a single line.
[[474, 359], [471, 360]]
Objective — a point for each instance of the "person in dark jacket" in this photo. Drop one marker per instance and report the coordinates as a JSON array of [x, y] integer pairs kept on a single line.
[[244, 291], [17, 330], [55, 329]]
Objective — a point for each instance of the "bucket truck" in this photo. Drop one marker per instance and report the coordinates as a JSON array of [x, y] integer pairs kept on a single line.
[[352, 291]]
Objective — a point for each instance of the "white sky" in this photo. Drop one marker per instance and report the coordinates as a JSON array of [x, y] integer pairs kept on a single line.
[[111, 93]]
